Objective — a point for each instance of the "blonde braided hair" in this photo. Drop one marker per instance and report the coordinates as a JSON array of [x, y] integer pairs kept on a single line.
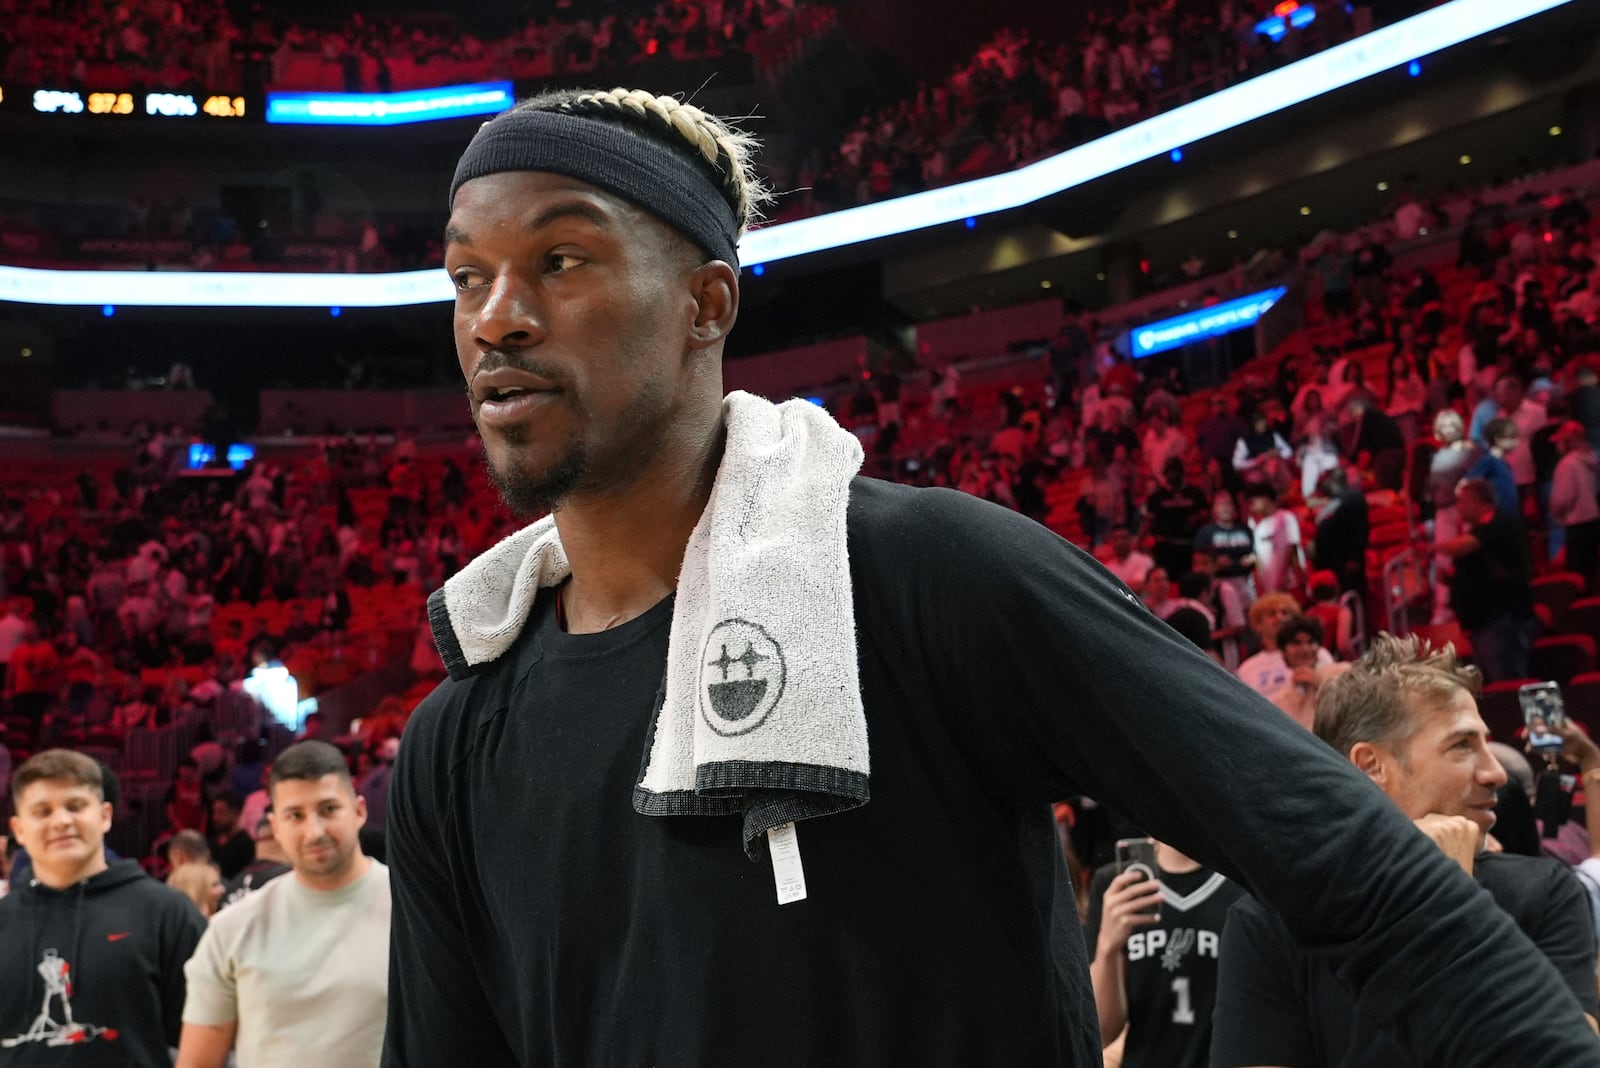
[[729, 151]]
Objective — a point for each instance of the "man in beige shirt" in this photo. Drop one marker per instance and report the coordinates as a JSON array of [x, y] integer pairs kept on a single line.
[[297, 973]]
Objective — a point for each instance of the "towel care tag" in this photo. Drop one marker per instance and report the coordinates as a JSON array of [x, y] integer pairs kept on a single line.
[[786, 870]]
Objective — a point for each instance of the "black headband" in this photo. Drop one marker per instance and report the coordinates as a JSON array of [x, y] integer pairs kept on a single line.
[[673, 184]]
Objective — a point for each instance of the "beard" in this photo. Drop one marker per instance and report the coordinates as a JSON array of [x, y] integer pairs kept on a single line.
[[532, 493], [613, 463]]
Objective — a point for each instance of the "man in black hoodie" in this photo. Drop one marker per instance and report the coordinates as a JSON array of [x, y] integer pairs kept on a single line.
[[91, 952]]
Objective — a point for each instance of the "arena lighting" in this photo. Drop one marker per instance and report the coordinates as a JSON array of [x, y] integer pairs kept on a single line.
[[390, 109], [1215, 321], [1276, 27], [204, 454], [1382, 50], [223, 289]]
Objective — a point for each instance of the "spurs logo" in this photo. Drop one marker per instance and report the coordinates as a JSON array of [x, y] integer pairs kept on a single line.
[[1177, 948], [742, 675]]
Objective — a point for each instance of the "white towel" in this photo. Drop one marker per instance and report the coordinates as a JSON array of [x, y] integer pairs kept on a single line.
[[760, 711]]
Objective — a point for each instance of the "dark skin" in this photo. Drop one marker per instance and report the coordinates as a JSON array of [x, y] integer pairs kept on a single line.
[[607, 327]]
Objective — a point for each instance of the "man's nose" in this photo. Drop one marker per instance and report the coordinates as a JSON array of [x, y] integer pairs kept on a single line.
[[1491, 773], [508, 316]]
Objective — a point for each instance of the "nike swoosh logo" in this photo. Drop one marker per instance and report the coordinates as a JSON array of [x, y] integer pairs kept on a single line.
[[117, 937]]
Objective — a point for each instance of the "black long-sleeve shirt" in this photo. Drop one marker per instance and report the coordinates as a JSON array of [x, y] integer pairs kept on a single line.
[[1278, 1004], [539, 920]]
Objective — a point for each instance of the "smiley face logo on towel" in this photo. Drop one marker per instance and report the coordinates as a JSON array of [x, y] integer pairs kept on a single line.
[[741, 677]]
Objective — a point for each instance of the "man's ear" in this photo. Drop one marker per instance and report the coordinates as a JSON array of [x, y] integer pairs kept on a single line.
[[1368, 758], [715, 288]]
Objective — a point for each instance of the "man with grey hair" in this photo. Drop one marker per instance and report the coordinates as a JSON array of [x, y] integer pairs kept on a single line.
[[1405, 715]]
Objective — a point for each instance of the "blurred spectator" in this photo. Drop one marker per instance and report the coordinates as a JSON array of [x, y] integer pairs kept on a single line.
[[1573, 502], [1126, 562], [201, 883], [1266, 672], [1230, 545], [231, 845], [1489, 589], [1376, 442], [1342, 532], [12, 629], [270, 862], [1449, 464], [1494, 467], [1279, 552], [1256, 450], [1300, 641], [374, 787], [35, 675], [1173, 513]]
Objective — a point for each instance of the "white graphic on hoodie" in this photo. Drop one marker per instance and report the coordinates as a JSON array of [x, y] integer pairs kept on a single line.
[[57, 976]]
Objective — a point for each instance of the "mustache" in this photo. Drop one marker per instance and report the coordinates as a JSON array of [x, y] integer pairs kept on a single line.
[[494, 359]]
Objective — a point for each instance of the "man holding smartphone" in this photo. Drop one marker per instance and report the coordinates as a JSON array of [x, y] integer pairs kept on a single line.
[[1155, 943], [1406, 716]]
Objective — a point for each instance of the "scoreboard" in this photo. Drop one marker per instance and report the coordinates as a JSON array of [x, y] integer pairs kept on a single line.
[[122, 104], [106, 104]]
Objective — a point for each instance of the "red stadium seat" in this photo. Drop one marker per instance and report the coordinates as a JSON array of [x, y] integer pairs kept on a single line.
[[1583, 617], [1582, 696], [1558, 591], [1438, 634], [1562, 656], [1389, 535]]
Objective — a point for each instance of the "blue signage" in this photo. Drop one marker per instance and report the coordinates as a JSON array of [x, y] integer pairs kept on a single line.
[[1215, 321], [389, 109]]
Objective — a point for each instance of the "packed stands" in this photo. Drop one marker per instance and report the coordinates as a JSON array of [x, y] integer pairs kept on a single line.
[[160, 592], [168, 44], [1021, 96]]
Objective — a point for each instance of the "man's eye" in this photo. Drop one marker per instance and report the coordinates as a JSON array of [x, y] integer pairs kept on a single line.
[[557, 262], [467, 279]]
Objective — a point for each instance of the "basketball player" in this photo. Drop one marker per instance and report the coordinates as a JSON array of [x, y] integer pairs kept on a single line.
[[637, 825]]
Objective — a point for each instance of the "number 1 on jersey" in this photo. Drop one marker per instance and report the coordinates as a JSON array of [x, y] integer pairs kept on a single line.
[[1182, 1012]]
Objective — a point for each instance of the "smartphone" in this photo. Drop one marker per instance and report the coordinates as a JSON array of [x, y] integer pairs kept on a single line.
[[1138, 854], [1543, 711]]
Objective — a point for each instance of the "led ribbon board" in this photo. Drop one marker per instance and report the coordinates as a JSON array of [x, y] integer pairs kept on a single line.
[[390, 109], [224, 289], [120, 103], [1215, 321], [1393, 46]]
